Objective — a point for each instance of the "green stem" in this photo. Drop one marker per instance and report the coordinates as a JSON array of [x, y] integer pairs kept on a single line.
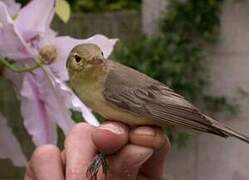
[[21, 70]]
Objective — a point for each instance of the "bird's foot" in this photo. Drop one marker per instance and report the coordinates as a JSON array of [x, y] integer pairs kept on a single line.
[[99, 161]]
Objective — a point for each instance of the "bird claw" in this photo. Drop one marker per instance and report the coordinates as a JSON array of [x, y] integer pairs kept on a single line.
[[99, 161]]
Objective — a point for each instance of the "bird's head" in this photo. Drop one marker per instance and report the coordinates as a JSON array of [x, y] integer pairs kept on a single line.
[[85, 58]]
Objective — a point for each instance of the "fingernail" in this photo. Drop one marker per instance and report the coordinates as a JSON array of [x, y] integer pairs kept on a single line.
[[145, 131], [116, 129]]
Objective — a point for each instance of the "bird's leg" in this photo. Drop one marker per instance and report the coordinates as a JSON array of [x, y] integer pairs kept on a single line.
[[99, 161]]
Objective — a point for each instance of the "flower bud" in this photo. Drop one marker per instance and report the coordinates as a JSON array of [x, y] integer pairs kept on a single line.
[[48, 54]]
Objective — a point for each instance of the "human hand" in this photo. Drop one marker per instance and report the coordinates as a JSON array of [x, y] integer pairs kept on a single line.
[[134, 154]]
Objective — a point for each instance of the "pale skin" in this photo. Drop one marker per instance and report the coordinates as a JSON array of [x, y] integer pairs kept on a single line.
[[137, 153]]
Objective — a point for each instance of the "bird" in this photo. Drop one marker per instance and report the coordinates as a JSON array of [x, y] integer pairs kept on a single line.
[[123, 94]]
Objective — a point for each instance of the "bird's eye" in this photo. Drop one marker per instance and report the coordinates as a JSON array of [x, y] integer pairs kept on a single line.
[[102, 53], [77, 58]]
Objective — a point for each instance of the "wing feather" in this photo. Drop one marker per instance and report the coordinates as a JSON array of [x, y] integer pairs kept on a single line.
[[149, 98]]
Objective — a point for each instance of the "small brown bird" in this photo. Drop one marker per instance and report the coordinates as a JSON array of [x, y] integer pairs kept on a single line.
[[120, 93]]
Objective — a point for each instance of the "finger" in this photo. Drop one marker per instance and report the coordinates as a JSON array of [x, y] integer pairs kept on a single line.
[[153, 168], [63, 157], [147, 136], [126, 163], [45, 164], [110, 137], [79, 151], [29, 175]]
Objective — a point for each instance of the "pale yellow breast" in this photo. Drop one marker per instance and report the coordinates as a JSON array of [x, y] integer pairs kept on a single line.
[[91, 95]]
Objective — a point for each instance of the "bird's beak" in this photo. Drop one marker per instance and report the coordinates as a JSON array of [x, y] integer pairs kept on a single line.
[[97, 60]]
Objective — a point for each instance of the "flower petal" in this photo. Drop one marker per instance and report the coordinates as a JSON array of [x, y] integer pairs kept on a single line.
[[13, 7], [105, 44], [14, 47], [36, 16], [86, 112], [73, 102], [55, 101], [4, 15], [15, 78], [10, 147], [64, 44], [36, 118]]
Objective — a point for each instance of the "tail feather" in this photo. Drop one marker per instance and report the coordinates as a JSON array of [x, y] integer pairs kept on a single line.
[[223, 131], [231, 133]]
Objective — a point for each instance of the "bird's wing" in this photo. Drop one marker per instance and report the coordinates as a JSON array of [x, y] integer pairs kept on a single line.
[[139, 94]]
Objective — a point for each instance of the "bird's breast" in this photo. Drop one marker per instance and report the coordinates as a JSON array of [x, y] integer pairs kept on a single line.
[[92, 96]]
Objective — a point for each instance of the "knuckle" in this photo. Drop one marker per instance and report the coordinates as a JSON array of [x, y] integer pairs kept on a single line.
[[160, 139], [79, 127]]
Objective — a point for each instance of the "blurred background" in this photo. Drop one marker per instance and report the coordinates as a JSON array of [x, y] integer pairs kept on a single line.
[[198, 48]]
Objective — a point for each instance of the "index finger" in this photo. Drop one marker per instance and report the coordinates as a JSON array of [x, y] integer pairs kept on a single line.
[[155, 138], [110, 137], [45, 164], [79, 151], [85, 141]]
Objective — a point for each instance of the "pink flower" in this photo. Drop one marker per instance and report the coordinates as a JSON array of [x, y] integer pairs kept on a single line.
[[45, 99], [10, 147], [12, 6]]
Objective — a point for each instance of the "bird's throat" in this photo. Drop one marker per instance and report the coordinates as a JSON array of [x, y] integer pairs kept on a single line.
[[88, 87]]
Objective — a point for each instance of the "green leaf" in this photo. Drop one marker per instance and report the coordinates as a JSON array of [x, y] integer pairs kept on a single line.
[[63, 10]]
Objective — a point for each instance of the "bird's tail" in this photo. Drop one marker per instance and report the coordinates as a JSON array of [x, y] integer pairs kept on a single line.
[[226, 131], [231, 133]]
